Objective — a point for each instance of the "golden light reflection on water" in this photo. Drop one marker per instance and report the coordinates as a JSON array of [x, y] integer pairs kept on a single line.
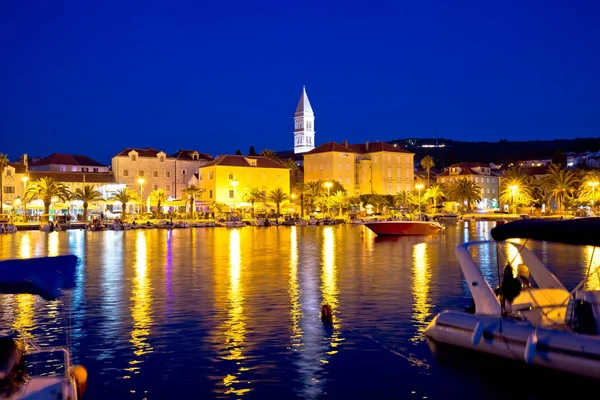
[[592, 261], [329, 286], [141, 309], [53, 244], [235, 332], [25, 246], [420, 288], [514, 257], [294, 290], [24, 311]]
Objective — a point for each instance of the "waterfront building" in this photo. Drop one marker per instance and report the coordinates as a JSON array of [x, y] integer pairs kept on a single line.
[[481, 174], [14, 181], [148, 169], [362, 168], [226, 178], [59, 162], [304, 125]]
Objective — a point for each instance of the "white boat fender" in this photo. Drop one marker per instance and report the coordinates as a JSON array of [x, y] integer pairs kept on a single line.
[[531, 347], [477, 333]]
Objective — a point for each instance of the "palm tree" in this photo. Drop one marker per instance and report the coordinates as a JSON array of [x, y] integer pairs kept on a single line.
[[560, 184], [124, 196], [435, 192], [252, 195], [403, 198], [269, 154], [87, 195], [3, 164], [464, 189], [340, 200], [160, 196], [312, 191], [46, 189], [589, 191], [427, 163], [377, 201], [192, 192], [515, 189], [278, 196]]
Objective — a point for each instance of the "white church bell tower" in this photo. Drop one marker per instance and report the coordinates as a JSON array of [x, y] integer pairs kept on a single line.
[[304, 125]]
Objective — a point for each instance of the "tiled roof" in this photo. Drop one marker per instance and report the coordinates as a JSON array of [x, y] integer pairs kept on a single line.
[[240, 161], [463, 171], [331, 146], [188, 155], [531, 171], [357, 148], [91, 177], [19, 167], [67, 159], [147, 152]]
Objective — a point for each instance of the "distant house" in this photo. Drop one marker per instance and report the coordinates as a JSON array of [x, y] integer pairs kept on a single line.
[[59, 162], [482, 174]]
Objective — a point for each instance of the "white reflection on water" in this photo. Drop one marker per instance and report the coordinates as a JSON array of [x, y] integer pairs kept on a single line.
[[235, 333], [112, 284], [141, 309], [294, 291], [52, 244], [420, 288]]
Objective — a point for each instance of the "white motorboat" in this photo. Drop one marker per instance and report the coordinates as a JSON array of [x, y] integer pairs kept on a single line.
[[531, 317], [181, 224], [46, 277], [234, 221], [164, 224], [445, 216], [8, 228]]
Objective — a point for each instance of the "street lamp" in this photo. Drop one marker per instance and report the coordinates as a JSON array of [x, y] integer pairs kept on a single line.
[[25, 179], [328, 185], [234, 183], [513, 189], [419, 187], [141, 182], [593, 186]]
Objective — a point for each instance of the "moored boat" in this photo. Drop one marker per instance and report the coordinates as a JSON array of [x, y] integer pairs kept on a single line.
[[404, 228], [531, 317]]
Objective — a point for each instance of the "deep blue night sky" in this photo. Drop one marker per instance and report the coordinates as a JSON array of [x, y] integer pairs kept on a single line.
[[92, 78]]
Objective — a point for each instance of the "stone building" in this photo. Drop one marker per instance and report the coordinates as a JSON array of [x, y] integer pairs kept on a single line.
[[362, 168], [482, 174]]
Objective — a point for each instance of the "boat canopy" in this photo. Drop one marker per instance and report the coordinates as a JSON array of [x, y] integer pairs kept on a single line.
[[582, 231], [44, 276]]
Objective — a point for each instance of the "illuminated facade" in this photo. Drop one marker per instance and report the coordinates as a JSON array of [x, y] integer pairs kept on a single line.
[[481, 174], [157, 170], [362, 168], [225, 179], [304, 125], [13, 183]]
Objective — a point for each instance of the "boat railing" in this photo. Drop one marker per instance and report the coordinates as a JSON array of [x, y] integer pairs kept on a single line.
[[51, 350]]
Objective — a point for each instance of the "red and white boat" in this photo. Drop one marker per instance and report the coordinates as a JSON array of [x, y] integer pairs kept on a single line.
[[404, 228]]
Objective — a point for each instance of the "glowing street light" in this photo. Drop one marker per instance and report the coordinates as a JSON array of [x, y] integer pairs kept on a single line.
[[593, 186], [141, 182], [25, 179], [419, 187], [234, 183]]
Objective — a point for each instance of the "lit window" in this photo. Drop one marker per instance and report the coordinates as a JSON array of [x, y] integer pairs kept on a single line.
[[347, 167], [347, 181], [398, 173], [340, 167], [63, 168]]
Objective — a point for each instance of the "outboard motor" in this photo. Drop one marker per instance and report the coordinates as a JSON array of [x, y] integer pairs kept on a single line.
[[582, 312]]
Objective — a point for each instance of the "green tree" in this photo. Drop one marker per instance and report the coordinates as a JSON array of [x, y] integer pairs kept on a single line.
[[192, 192], [589, 191], [278, 196], [160, 197], [464, 189], [269, 154], [252, 152], [46, 189], [253, 195], [434, 192], [515, 189], [427, 163], [560, 184], [88, 194], [124, 196], [238, 152], [340, 200], [3, 164]]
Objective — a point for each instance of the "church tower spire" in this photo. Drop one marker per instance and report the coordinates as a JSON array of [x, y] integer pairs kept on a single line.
[[304, 125]]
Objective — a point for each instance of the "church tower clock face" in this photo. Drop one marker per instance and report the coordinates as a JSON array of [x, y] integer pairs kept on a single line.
[[304, 118]]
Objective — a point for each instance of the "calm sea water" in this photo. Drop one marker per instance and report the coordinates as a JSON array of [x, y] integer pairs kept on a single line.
[[234, 313]]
